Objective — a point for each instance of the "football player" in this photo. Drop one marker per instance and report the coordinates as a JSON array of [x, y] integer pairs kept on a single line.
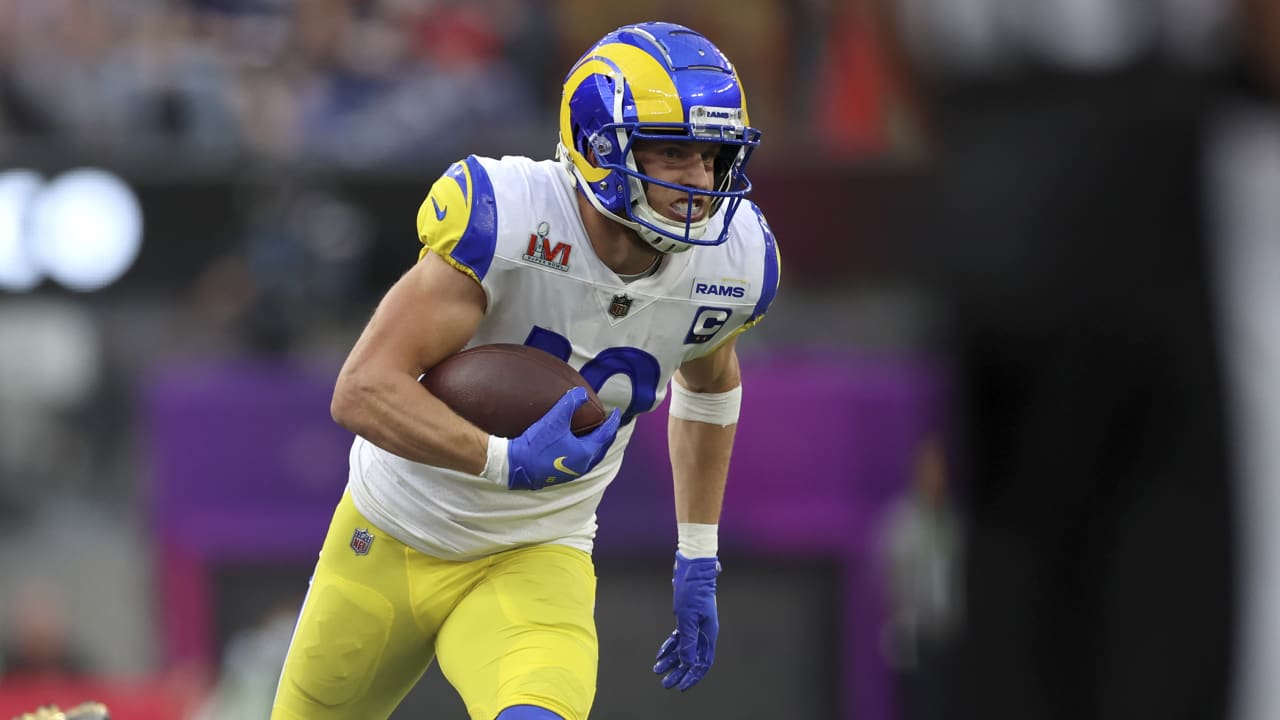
[[635, 257]]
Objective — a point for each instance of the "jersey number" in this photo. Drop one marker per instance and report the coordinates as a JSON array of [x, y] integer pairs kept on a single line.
[[639, 366]]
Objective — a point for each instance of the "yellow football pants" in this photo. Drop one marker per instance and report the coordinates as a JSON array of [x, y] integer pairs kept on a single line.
[[515, 628]]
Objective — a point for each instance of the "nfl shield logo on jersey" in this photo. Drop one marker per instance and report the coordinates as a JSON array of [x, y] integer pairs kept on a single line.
[[619, 306], [361, 540]]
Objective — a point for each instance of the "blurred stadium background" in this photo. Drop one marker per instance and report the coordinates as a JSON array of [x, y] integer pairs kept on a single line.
[[200, 203]]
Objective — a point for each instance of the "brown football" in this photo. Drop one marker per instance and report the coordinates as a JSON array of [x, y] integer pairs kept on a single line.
[[505, 388]]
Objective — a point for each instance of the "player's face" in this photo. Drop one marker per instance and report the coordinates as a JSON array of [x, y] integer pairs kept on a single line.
[[680, 162]]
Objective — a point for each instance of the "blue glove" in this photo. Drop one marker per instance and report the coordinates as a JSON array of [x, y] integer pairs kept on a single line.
[[687, 655], [548, 453]]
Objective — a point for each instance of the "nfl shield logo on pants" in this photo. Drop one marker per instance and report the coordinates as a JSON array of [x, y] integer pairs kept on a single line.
[[619, 306], [361, 540]]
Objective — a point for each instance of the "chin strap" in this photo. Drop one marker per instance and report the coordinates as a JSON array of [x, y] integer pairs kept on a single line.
[[657, 240]]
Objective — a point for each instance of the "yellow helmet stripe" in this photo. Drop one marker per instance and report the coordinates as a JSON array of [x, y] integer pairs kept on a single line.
[[652, 89], [584, 70]]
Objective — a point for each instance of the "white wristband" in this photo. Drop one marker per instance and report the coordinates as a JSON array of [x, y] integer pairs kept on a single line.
[[698, 540], [495, 468], [714, 408]]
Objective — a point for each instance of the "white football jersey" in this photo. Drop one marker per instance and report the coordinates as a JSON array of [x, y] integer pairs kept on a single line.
[[514, 226]]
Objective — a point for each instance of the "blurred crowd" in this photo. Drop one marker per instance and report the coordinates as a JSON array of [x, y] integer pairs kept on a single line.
[[348, 81], [377, 83]]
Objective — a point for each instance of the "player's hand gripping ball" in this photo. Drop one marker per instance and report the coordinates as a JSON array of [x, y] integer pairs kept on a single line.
[[556, 425], [549, 453]]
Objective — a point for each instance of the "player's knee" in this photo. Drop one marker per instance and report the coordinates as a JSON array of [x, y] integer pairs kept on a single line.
[[527, 712], [336, 648]]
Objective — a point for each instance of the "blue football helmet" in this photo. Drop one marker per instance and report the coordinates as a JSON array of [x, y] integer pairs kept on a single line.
[[654, 81]]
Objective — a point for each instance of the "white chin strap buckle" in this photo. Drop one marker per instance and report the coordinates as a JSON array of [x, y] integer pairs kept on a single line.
[[660, 241]]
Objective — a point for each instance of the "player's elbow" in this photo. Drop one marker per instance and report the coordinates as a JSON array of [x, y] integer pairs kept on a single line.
[[351, 395]]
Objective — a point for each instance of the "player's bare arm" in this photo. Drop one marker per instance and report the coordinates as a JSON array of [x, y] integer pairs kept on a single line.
[[429, 314], [699, 450]]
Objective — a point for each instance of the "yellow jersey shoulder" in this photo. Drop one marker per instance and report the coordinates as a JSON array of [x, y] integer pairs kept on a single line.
[[458, 220]]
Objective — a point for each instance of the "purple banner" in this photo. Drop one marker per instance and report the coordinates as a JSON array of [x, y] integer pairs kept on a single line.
[[244, 456]]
